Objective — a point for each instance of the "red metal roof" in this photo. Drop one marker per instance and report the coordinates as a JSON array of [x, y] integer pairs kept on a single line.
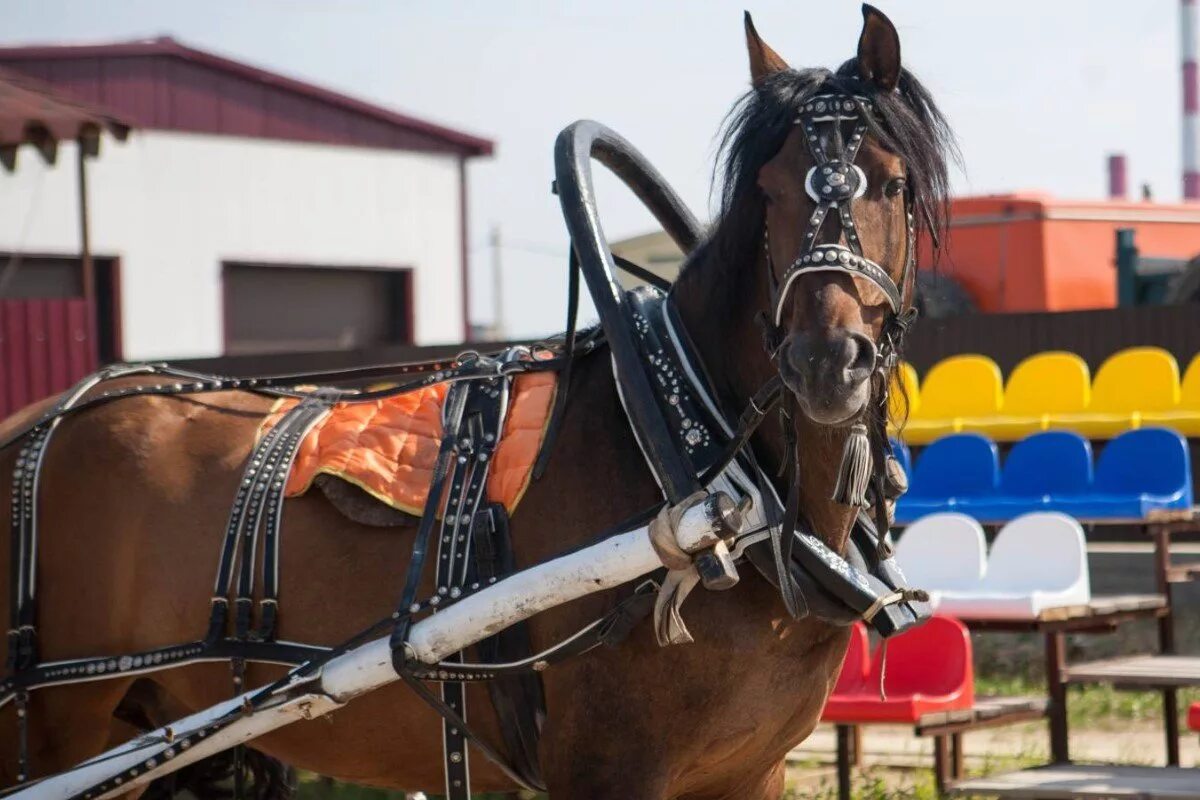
[[30, 113], [163, 84]]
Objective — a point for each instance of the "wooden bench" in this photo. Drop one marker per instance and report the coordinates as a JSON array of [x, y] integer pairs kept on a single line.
[[1144, 672], [947, 729]]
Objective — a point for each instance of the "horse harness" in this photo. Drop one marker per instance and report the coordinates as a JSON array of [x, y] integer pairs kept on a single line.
[[467, 534]]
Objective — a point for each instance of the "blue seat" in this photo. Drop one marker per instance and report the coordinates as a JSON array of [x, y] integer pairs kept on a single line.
[[1139, 471], [1038, 470], [948, 472], [903, 455]]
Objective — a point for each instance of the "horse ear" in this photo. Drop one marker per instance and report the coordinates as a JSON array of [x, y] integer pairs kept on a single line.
[[879, 50], [763, 60]]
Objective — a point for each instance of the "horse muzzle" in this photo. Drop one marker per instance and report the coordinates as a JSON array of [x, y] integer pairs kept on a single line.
[[830, 375]]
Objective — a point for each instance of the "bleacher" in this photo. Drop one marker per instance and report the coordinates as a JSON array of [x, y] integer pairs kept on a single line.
[[1040, 458], [1134, 388], [1136, 472]]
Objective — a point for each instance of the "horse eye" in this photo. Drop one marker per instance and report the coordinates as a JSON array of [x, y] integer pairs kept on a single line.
[[894, 187]]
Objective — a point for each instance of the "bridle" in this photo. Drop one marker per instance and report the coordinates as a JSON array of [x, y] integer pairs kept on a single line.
[[834, 182]]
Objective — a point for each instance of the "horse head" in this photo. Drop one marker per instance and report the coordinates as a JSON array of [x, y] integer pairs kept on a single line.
[[835, 203], [828, 178], [839, 224]]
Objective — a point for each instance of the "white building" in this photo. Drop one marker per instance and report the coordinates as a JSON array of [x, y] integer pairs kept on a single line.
[[246, 212]]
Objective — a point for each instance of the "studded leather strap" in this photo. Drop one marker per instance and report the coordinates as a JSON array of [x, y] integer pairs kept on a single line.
[[834, 182]]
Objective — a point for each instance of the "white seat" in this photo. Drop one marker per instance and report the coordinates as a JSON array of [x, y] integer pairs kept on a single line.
[[1038, 561], [944, 552]]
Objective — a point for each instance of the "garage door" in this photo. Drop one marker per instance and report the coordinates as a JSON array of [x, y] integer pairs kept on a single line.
[[281, 309]]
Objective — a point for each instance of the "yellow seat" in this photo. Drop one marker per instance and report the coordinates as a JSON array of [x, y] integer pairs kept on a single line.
[[1185, 418], [904, 395], [957, 388], [1129, 385], [1048, 383]]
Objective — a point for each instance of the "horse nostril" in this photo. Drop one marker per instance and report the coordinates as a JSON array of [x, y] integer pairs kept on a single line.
[[858, 353]]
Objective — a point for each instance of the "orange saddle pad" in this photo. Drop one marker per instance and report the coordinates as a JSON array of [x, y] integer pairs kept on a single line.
[[388, 447]]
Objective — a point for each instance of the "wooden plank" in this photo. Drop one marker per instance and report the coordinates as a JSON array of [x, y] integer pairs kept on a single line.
[[1084, 782], [1183, 573], [1159, 515], [1146, 670], [1101, 611], [1116, 604], [988, 712]]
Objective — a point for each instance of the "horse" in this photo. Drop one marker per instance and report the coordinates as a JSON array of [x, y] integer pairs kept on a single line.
[[136, 493]]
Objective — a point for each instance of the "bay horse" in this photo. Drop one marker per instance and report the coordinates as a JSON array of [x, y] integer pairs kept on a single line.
[[136, 492]]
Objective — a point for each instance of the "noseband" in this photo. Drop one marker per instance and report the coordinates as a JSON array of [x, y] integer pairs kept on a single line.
[[834, 182]]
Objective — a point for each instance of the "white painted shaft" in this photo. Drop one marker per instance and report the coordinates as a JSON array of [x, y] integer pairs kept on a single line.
[[603, 565]]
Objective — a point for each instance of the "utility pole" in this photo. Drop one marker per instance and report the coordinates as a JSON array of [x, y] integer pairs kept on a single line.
[[497, 288]]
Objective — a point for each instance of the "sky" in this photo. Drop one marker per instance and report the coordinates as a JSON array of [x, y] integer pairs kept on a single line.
[[1039, 92]]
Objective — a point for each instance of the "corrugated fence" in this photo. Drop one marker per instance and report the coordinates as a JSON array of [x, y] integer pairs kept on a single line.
[[1094, 335]]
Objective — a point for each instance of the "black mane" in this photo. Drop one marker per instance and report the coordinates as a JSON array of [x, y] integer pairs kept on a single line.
[[909, 124]]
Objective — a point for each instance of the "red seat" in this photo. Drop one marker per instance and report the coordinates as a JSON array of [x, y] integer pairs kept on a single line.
[[1193, 716], [857, 662], [927, 669]]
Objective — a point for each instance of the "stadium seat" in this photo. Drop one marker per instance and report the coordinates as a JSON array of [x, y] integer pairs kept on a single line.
[[949, 471], [902, 454], [1038, 470], [1185, 418], [1038, 561], [1043, 384], [1137, 472], [857, 663], [923, 670], [1130, 384], [943, 552], [957, 387]]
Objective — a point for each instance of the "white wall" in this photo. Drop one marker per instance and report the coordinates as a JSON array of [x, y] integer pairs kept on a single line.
[[173, 206]]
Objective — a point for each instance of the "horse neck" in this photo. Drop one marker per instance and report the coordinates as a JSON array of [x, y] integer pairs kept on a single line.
[[719, 316]]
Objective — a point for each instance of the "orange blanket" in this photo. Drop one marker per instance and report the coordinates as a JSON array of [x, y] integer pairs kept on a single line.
[[388, 447]]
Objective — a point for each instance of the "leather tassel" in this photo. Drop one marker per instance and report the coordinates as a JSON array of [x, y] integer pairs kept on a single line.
[[854, 474]]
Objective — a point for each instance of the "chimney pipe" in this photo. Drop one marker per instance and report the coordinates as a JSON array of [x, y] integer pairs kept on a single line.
[[1117, 186], [1191, 101]]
